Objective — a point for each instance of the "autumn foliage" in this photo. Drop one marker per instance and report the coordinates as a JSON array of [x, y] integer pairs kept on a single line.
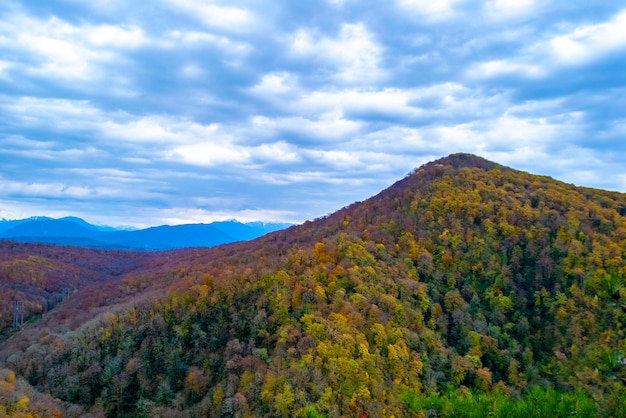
[[465, 289]]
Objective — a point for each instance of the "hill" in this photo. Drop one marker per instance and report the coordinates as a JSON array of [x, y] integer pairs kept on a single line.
[[75, 231], [465, 289], [42, 275]]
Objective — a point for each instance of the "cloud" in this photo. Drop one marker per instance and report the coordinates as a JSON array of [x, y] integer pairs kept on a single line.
[[448, 101], [225, 18], [503, 67], [208, 153], [575, 47], [57, 190], [337, 3], [114, 111], [109, 175], [154, 129], [587, 43], [386, 101], [509, 9], [176, 38], [67, 155], [275, 84], [113, 36], [52, 116], [616, 130], [52, 51], [192, 71], [353, 56], [182, 215], [100, 58], [329, 127], [220, 153], [4, 65], [279, 152], [434, 11], [58, 49]]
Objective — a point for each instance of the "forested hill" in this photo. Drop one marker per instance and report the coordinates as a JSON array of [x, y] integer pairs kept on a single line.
[[465, 289]]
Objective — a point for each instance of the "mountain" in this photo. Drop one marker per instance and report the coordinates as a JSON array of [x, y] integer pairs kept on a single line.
[[168, 237], [465, 289], [77, 232], [8, 224], [249, 230], [51, 228]]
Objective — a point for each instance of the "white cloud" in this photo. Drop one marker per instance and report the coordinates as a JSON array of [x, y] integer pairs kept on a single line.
[[387, 101], [503, 67], [538, 127], [216, 152], [358, 163], [12, 143], [310, 177], [338, 159], [184, 215], [437, 100], [178, 140], [208, 153], [114, 36], [580, 46], [67, 155], [279, 152], [5, 65], [60, 58], [506, 131], [227, 18], [354, 55], [156, 129], [176, 38], [192, 71], [53, 48], [509, 9], [276, 83], [430, 10], [50, 113], [329, 127], [59, 190], [588, 42], [108, 175]]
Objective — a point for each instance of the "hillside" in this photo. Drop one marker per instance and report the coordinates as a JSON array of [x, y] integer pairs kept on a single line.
[[42, 275], [465, 289]]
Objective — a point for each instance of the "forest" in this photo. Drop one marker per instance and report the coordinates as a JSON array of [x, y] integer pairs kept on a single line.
[[466, 289]]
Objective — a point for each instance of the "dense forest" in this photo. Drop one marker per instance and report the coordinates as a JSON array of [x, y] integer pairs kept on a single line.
[[42, 275], [465, 289]]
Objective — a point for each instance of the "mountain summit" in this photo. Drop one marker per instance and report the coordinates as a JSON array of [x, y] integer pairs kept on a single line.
[[464, 160], [465, 289]]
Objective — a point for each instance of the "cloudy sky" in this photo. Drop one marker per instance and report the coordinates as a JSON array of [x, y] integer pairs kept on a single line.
[[180, 111]]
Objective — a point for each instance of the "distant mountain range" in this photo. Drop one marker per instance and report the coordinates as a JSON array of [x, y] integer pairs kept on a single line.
[[77, 232]]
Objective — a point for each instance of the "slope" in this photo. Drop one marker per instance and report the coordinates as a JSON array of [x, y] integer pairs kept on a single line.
[[41, 275], [466, 288]]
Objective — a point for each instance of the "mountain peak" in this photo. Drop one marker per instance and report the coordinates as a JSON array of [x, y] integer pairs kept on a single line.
[[462, 160]]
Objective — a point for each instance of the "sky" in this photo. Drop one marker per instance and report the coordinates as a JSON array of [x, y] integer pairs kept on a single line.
[[192, 111]]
